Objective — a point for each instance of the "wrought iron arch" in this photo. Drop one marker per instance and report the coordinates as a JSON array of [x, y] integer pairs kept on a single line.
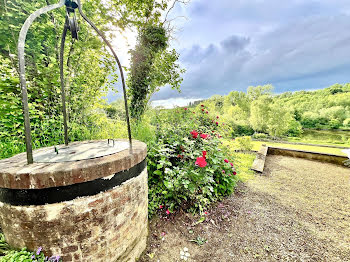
[[70, 24]]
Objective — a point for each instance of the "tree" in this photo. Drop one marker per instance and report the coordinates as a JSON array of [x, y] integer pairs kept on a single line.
[[254, 92], [152, 63], [259, 113], [152, 40], [279, 120]]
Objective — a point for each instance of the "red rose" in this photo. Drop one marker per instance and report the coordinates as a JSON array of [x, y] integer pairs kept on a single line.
[[217, 117], [161, 206], [226, 160], [231, 164], [167, 212], [204, 153], [185, 108], [234, 173], [202, 105], [202, 110], [207, 112], [217, 123], [194, 134], [204, 136], [201, 162]]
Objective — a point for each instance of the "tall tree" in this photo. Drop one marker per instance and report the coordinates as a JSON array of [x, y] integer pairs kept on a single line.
[[153, 64]]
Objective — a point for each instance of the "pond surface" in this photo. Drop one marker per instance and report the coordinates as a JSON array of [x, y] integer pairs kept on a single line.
[[326, 136]]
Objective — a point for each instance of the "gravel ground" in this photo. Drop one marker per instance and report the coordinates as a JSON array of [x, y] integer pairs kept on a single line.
[[297, 210]]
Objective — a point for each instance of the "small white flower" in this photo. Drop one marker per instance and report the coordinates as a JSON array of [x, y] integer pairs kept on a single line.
[[184, 254]]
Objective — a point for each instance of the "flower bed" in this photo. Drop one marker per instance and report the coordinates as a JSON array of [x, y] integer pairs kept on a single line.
[[186, 166], [8, 254]]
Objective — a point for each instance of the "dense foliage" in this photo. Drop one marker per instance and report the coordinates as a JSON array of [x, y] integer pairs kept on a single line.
[[152, 66], [90, 69], [151, 41], [260, 113], [187, 167]]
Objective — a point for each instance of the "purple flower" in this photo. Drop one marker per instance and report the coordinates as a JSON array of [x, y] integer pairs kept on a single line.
[[55, 258], [39, 250]]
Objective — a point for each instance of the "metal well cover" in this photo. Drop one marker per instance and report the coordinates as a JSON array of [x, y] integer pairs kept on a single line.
[[76, 152]]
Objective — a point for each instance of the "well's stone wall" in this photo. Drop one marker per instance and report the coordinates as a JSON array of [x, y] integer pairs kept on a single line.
[[111, 225]]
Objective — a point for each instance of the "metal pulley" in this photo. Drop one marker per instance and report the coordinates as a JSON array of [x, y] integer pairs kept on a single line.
[[71, 19]]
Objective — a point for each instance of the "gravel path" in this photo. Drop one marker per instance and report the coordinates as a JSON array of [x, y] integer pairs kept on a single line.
[[298, 210]]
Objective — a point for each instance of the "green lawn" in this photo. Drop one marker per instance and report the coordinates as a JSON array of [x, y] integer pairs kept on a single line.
[[243, 164], [242, 161]]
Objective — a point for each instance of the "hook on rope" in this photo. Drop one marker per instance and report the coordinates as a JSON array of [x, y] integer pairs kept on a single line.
[[71, 19]]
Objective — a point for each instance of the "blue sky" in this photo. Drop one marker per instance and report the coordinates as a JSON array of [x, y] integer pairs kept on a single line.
[[229, 45]]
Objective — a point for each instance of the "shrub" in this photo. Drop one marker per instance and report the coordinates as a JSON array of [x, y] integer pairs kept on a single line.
[[260, 136], [346, 122], [241, 130], [244, 143], [334, 124], [295, 129], [186, 167]]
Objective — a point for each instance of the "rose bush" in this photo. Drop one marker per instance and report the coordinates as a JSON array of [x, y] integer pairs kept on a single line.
[[186, 166]]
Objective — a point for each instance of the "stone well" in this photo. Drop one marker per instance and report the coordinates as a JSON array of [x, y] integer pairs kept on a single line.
[[86, 203]]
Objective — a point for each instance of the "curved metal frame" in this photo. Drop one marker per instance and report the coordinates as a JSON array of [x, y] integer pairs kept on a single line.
[[21, 58], [63, 91], [21, 61]]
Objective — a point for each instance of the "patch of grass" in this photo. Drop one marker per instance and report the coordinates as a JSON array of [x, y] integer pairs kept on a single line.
[[243, 161]]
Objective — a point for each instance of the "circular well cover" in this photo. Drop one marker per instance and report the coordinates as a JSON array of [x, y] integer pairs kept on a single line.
[[80, 151]]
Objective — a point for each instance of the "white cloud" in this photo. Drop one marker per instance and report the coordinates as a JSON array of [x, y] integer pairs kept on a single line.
[[229, 45], [172, 102]]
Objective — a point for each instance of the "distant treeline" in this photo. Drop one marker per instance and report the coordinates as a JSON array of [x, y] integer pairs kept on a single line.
[[259, 111]]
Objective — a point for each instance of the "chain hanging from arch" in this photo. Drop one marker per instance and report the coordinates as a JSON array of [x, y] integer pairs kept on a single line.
[[71, 25]]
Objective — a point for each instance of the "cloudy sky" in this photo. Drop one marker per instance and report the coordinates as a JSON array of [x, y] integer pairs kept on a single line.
[[229, 45]]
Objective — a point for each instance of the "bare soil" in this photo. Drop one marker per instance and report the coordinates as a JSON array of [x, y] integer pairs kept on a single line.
[[297, 210]]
